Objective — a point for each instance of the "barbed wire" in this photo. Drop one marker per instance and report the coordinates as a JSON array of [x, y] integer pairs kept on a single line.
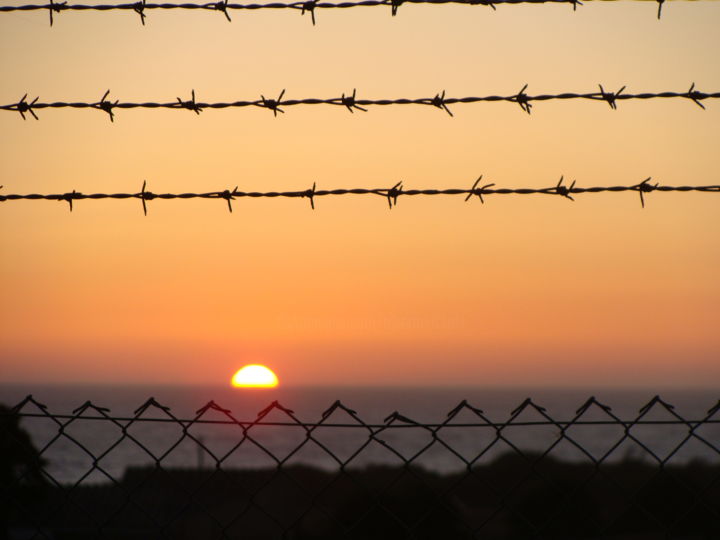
[[352, 103], [304, 6], [390, 194]]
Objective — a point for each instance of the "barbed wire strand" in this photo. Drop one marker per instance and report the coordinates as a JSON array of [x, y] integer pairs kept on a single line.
[[304, 6], [390, 194], [352, 103]]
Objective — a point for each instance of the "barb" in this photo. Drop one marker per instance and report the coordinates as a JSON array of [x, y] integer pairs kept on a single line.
[[303, 6], [351, 102], [23, 106], [145, 196], [223, 6], [693, 95], [139, 8], [478, 192], [523, 100], [439, 102], [273, 104], [565, 191], [229, 196], [611, 97], [53, 7], [393, 193], [69, 197], [644, 187], [191, 105], [309, 7], [107, 106], [390, 194], [310, 194]]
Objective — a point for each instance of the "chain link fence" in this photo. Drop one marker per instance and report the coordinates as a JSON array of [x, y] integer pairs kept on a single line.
[[90, 474]]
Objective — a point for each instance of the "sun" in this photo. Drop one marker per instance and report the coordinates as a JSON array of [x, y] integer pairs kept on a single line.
[[254, 376]]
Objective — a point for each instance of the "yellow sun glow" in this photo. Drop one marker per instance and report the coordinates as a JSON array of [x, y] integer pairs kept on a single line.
[[255, 375]]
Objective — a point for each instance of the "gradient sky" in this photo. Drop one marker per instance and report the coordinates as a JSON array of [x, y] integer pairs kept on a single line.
[[521, 290]]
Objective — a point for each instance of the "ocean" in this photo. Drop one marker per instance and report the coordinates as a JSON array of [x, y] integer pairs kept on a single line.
[[90, 449]]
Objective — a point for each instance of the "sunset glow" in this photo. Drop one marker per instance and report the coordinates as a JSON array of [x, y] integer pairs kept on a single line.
[[255, 376], [515, 291]]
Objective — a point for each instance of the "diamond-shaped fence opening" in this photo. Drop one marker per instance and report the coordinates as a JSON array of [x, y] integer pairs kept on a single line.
[[124, 456], [651, 474], [95, 435], [330, 446], [468, 434], [483, 506], [188, 453], [440, 458], [339, 500], [703, 446], [405, 443], [660, 445], [216, 440], [69, 462], [284, 495], [245, 454], [152, 439], [278, 443], [412, 498], [523, 439], [593, 442], [253, 523]]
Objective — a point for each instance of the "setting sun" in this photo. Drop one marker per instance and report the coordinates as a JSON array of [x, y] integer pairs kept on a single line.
[[256, 376]]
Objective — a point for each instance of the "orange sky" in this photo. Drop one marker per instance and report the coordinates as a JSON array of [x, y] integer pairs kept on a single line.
[[521, 290]]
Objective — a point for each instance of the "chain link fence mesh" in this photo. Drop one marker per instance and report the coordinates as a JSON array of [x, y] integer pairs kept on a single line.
[[90, 474]]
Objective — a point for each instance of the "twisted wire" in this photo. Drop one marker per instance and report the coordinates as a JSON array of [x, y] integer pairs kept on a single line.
[[352, 103], [304, 6], [390, 194]]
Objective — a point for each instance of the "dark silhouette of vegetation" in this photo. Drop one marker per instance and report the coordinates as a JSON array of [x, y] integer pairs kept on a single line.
[[514, 497], [19, 459], [22, 483]]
